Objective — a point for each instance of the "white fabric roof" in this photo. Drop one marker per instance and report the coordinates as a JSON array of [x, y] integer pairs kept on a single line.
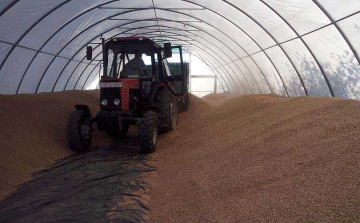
[[286, 47]]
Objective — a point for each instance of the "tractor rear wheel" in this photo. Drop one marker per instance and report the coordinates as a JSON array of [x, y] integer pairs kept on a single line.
[[79, 131], [148, 132], [168, 116]]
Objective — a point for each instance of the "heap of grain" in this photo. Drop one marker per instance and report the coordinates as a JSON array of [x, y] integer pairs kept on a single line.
[[261, 159], [33, 132], [232, 158]]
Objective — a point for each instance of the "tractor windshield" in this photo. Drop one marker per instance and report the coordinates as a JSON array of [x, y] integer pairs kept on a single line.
[[129, 61]]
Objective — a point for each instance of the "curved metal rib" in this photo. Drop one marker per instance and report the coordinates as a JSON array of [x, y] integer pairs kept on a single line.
[[56, 32], [8, 7], [212, 68], [148, 19], [114, 1], [147, 27], [272, 37], [339, 29], [28, 30], [319, 5], [97, 46], [65, 26], [306, 45]]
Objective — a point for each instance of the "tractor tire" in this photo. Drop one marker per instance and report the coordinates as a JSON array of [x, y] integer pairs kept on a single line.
[[78, 133], [168, 116], [148, 132]]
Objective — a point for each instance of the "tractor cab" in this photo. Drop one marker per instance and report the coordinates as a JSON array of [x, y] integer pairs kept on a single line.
[[137, 77]]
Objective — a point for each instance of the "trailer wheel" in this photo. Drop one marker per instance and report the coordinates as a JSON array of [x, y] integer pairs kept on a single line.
[[78, 131], [148, 132], [168, 116]]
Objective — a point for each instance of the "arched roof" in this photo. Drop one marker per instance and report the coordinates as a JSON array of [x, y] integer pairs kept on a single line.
[[290, 48]]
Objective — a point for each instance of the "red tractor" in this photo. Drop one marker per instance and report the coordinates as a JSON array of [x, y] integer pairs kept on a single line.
[[136, 88]]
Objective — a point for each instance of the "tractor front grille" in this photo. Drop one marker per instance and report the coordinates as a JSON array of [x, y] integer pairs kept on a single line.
[[110, 93]]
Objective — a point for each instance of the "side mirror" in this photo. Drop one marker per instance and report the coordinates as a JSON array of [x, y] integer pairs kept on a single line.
[[89, 50], [167, 50]]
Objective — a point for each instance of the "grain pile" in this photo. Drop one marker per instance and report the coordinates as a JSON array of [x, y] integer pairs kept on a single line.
[[232, 158], [260, 159], [33, 132]]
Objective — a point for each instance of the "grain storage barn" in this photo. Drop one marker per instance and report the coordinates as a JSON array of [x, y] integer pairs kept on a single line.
[[280, 144]]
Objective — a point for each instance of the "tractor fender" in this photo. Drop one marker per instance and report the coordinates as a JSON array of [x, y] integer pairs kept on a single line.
[[83, 108]]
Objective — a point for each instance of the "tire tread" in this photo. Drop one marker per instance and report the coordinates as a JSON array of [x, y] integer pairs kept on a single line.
[[75, 141], [146, 127], [163, 101]]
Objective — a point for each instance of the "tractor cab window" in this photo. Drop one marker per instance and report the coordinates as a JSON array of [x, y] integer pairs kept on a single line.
[[172, 66], [129, 61], [110, 67], [173, 70], [167, 71]]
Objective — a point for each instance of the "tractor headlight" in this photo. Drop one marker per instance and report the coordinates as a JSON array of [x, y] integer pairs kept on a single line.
[[104, 102], [117, 102]]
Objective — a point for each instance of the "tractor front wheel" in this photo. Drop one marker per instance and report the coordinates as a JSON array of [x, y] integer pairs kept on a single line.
[[79, 131], [148, 132]]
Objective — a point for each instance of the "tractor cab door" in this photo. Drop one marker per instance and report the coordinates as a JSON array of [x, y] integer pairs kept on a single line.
[[173, 73]]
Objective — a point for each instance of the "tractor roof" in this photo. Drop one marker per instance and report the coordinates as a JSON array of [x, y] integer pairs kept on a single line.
[[145, 39]]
